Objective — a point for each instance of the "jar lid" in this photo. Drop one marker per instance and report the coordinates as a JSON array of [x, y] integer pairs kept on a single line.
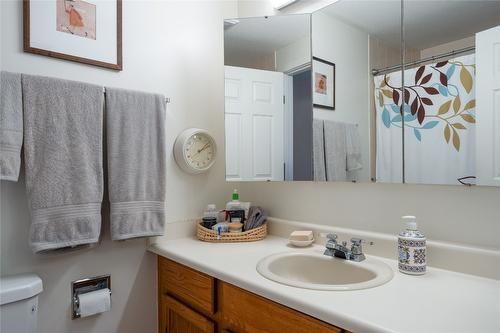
[[411, 222], [235, 225]]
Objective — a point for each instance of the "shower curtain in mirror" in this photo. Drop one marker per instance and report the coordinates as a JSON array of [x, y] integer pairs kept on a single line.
[[439, 123]]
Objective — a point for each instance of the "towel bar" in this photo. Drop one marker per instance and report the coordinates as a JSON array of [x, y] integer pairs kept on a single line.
[[167, 99]]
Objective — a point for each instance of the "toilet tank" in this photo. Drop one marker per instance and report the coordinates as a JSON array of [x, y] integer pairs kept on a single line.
[[19, 303]]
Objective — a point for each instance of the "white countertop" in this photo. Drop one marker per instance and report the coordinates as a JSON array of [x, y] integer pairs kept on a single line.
[[440, 301]]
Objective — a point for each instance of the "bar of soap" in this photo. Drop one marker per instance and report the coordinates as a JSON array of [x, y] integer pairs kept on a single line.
[[301, 235]]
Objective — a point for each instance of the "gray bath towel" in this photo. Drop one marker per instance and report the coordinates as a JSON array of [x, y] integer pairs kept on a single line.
[[63, 156], [353, 148], [135, 125], [11, 125], [335, 151], [318, 151]]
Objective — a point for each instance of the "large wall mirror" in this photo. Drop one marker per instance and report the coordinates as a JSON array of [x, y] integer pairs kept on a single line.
[[364, 91]]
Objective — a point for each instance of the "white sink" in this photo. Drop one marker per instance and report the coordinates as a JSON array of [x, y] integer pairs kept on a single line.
[[320, 272]]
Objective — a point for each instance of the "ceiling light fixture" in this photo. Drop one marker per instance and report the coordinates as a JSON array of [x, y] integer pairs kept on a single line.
[[279, 4], [230, 23]]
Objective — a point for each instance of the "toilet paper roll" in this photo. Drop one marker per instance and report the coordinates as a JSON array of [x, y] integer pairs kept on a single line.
[[94, 302]]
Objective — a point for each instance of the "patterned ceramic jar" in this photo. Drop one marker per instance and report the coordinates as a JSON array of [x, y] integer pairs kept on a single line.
[[412, 255], [411, 248]]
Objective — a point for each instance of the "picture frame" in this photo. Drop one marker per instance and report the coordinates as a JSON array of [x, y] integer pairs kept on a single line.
[[323, 78], [84, 31]]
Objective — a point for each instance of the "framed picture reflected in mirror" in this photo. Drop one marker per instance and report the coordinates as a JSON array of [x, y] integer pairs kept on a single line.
[[324, 84]]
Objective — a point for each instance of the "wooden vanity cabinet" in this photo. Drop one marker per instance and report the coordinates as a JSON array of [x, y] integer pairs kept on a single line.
[[193, 302]]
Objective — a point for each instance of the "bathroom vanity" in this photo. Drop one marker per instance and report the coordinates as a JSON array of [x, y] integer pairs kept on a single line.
[[191, 301], [206, 287]]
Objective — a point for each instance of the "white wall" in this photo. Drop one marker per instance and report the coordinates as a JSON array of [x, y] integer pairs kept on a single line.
[[294, 55], [448, 213], [170, 47], [347, 47], [448, 47]]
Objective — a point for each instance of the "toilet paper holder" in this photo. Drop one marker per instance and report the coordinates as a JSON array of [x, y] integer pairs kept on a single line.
[[84, 286]]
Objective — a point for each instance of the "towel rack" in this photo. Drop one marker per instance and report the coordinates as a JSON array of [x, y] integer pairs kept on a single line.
[[167, 99]]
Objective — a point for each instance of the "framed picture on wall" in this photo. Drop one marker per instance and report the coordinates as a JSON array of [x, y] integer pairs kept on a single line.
[[85, 31], [324, 84]]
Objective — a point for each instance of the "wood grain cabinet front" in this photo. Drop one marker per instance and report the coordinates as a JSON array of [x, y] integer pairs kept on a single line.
[[192, 287], [244, 312], [193, 302], [181, 319]]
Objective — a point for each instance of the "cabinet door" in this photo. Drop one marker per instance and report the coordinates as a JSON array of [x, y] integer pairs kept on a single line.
[[188, 285], [245, 312], [181, 319]]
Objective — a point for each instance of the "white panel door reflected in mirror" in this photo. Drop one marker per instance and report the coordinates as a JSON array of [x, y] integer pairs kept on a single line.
[[268, 107]]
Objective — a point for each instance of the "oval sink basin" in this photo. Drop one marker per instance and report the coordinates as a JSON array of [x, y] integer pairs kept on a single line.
[[320, 272]]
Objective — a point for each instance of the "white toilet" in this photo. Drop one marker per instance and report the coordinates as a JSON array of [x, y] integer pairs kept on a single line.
[[19, 303]]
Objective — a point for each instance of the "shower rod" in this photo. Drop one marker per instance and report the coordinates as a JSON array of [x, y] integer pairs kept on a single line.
[[421, 61], [167, 99]]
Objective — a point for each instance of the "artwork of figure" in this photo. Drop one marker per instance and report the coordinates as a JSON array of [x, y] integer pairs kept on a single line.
[[320, 83], [76, 17]]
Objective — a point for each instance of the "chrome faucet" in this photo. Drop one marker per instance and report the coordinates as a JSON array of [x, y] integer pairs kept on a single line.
[[334, 249]]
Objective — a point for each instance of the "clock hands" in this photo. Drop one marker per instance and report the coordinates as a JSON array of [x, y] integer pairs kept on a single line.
[[202, 149]]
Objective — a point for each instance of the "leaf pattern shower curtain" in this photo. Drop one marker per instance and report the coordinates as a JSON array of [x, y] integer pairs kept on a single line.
[[439, 123]]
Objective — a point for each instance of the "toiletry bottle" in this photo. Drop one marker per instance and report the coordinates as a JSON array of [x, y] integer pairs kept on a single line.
[[210, 216], [235, 201], [234, 209], [411, 246]]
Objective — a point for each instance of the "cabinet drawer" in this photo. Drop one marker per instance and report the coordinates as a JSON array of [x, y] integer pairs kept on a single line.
[[181, 319], [245, 312], [192, 287]]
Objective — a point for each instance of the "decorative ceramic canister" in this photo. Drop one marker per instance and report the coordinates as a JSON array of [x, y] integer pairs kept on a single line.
[[412, 249]]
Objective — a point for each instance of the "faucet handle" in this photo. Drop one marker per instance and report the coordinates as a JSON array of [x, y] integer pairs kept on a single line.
[[359, 241], [331, 241], [329, 236], [332, 237], [356, 245]]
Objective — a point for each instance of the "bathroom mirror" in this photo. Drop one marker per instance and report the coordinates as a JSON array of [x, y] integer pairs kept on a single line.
[[344, 115]]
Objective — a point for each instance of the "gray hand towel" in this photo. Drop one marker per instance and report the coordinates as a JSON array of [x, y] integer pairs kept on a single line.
[[135, 125], [63, 156], [353, 147], [335, 151], [318, 151], [11, 125]]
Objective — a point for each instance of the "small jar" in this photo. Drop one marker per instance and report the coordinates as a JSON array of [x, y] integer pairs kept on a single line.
[[235, 227]]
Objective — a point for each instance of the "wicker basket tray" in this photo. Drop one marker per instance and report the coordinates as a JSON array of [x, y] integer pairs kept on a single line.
[[252, 235]]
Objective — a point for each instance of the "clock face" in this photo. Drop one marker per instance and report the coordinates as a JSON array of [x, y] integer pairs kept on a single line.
[[199, 151]]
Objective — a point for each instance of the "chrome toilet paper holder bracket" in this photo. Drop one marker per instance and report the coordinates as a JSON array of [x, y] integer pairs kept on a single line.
[[86, 285]]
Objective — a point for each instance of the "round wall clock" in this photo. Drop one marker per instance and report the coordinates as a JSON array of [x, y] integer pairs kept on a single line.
[[195, 150]]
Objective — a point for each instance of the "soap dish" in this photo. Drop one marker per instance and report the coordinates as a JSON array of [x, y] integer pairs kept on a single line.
[[301, 243]]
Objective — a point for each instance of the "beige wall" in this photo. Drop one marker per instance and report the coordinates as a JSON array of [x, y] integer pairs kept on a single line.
[[448, 47], [446, 213], [252, 60], [170, 47]]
